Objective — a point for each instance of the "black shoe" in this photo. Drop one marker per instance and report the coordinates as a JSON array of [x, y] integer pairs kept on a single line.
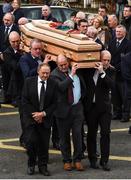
[[94, 165], [31, 170], [97, 154], [43, 170], [105, 166], [124, 120], [129, 130], [56, 146]]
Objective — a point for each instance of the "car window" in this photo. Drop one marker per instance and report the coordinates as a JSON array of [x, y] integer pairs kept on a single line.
[[57, 14], [33, 13], [67, 13]]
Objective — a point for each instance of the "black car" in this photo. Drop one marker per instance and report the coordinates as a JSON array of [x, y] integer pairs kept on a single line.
[[60, 13]]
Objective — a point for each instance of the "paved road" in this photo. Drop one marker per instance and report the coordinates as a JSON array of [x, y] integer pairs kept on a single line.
[[13, 159]]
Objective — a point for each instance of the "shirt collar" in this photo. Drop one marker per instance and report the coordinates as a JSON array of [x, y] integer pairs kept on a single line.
[[39, 80], [9, 26], [120, 40]]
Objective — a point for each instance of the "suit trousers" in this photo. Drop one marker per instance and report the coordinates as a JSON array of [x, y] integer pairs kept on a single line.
[[73, 122], [37, 144], [117, 98], [126, 102], [96, 118]]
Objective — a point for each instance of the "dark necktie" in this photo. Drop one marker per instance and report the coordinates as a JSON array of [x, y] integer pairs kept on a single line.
[[6, 32], [42, 95], [117, 44], [70, 93]]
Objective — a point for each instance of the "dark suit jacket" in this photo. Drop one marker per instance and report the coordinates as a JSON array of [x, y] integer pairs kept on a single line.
[[101, 90], [4, 44], [12, 63], [116, 54], [126, 73], [28, 65], [63, 82], [30, 101]]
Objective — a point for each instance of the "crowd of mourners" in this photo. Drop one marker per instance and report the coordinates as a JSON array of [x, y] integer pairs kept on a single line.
[[55, 97]]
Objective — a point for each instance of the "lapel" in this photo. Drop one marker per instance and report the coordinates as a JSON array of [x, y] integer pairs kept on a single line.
[[11, 50], [121, 46], [62, 75], [32, 60], [3, 29], [35, 89], [47, 92]]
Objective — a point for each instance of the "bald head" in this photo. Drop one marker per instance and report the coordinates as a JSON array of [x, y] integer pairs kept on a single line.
[[14, 39], [23, 21], [62, 63], [14, 34], [105, 58]]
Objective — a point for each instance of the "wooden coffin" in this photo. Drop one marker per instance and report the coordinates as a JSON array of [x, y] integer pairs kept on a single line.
[[74, 46]]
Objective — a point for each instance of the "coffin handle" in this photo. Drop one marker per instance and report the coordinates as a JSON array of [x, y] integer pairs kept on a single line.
[[67, 54], [45, 46]]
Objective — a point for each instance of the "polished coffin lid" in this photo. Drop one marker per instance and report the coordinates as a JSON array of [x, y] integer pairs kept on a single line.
[[76, 47]]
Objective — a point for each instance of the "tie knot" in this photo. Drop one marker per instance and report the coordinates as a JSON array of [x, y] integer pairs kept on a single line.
[[117, 44], [66, 73], [36, 58], [42, 82]]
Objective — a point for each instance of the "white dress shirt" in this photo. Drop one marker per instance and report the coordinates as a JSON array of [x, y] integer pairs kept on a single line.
[[39, 86]]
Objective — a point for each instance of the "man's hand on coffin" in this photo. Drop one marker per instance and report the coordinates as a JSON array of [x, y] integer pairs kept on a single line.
[[99, 67], [38, 117], [21, 46], [47, 58], [73, 69]]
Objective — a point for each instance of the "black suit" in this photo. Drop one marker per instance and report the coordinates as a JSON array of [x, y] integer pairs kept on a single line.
[[117, 91], [69, 116], [13, 72], [28, 66], [126, 74], [37, 135], [4, 44], [98, 113], [14, 84]]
